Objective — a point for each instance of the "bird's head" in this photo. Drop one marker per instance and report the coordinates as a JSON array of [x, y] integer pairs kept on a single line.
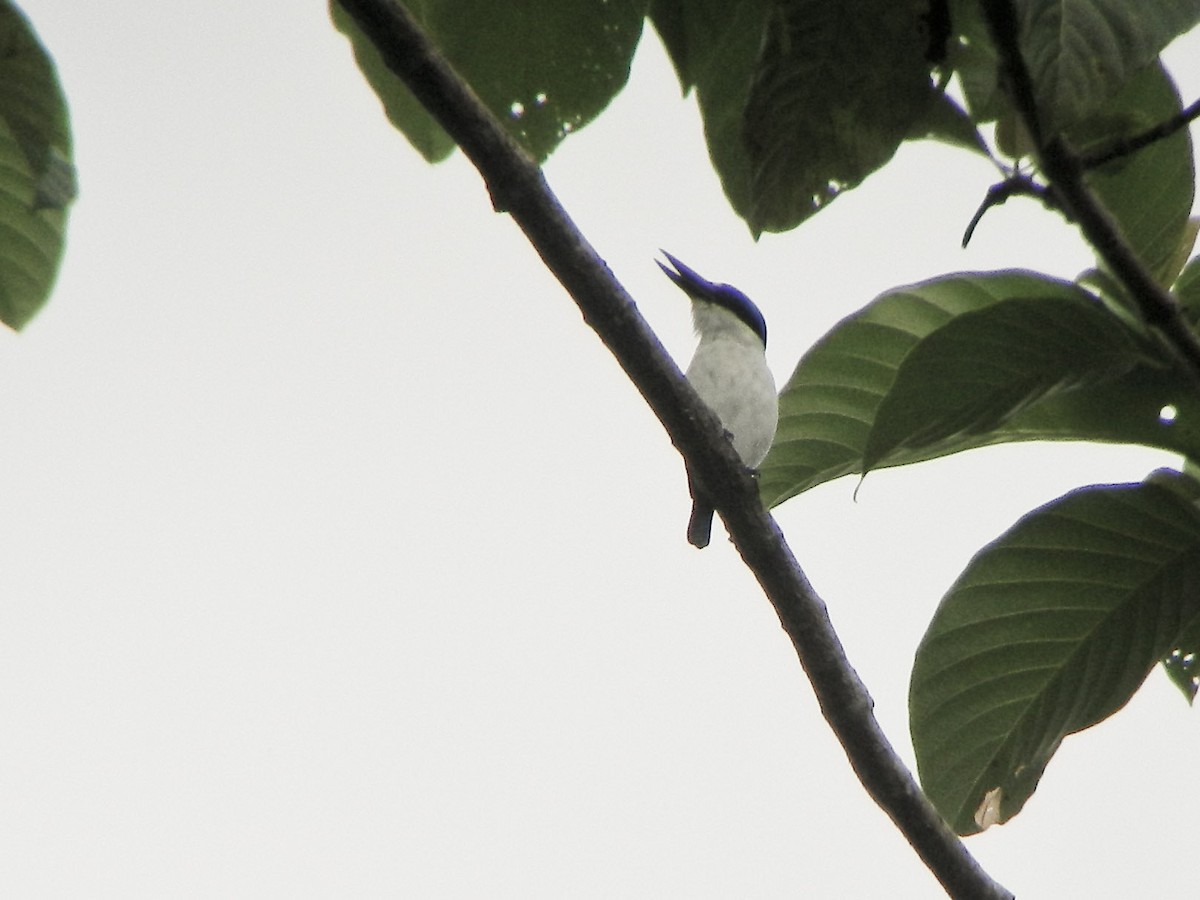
[[722, 295]]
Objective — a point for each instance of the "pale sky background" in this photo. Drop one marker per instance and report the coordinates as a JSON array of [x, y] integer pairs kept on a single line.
[[339, 559]]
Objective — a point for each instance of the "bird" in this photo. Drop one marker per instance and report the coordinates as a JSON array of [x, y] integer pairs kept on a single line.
[[729, 371]]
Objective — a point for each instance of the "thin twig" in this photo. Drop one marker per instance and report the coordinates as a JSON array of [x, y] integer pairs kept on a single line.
[[1064, 170], [1017, 184], [517, 186], [1130, 145], [1022, 184]]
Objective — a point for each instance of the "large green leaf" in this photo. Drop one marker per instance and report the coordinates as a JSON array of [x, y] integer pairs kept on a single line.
[[1049, 630], [974, 59], [1150, 193], [545, 67], [829, 406], [1081, 52], [1182, 660], [982, 368], [838, 87], [714, 46], [37, 180]]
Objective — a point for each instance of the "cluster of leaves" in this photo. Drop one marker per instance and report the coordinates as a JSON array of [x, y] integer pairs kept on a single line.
[[1054, 625], [37, 180]]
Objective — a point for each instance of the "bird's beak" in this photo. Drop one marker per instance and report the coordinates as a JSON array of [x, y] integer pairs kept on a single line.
[[686, 278]]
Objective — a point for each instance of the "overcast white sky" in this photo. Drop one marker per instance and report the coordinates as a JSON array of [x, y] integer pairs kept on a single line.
[[338, 558]]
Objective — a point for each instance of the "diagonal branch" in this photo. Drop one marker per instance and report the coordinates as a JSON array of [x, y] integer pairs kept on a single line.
[[518, 187], [1064, 169]]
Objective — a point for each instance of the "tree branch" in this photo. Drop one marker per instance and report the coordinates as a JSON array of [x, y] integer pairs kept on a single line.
[[518, 187], [1064, 170], [1130, 145]]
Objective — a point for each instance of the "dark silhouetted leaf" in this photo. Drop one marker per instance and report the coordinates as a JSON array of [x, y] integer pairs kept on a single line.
[[1187, 290], [976, 62], [714, 46], [838, 87], [944, 120], [37, 178], [403, 110], [1051, 629], [544, 67], [1182, 663]]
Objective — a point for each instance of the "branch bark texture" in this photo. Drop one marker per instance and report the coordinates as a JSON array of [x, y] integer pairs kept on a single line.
[[518, 187]]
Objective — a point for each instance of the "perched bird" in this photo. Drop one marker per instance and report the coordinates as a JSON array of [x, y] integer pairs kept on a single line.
[[729, 372]]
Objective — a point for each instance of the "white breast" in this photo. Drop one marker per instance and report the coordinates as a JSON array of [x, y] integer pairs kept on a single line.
[[729, 372]]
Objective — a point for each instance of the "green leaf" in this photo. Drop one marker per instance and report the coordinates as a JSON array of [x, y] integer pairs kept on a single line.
[[1148, 405], [1051, 629], [1081, 52], [976, 63], [1149, 193], [1187, 243], [544, 67], [1187, 290], [37, 180], [838, 87], [670, 20], [945, 121], [403, 110], [1182, 662], [829, 405], [714, 46], [982, 368]]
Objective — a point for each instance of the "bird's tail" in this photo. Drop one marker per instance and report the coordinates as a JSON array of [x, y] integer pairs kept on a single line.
[[700, 524]]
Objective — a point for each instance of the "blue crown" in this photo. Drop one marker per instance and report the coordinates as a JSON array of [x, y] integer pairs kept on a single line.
[[723, 295]]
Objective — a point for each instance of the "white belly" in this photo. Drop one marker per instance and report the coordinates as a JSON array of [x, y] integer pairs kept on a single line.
[[732, 377]]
